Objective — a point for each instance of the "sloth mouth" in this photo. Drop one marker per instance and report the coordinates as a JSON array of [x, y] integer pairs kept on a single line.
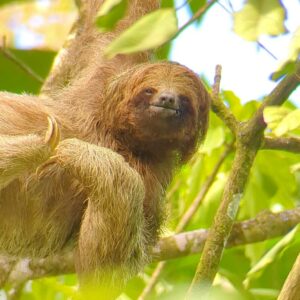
[[165, 110]]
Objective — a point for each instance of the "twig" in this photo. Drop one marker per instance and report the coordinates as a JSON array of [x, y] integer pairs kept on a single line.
[[291, 287], [187, 216], [154, 277], [18, 62], [196, 16], [218, 106], [249, 139], [202, 193], [290, 144], [270, 225], [217, 82]]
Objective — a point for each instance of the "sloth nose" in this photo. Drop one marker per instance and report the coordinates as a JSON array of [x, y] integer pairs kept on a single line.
[[168, 99]]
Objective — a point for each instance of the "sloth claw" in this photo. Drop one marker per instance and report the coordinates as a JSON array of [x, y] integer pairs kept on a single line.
[[52, 136], [51, 139]]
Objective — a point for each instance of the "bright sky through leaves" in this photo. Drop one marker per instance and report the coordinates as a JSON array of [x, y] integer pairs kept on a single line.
[[246, 66]]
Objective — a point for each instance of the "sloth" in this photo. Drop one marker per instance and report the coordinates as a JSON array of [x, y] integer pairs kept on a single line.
[[86, 165]]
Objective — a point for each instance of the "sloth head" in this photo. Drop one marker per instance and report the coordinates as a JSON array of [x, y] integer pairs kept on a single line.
[[160, 107]]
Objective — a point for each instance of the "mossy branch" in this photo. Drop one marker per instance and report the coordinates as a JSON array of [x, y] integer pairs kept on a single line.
[[249, 136], [265, 226], [290, 144]]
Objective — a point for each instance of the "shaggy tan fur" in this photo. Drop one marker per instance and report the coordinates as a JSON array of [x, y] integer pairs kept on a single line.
[[103, 190]]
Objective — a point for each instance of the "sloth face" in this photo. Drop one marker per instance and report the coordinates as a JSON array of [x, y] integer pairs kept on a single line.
[[162, 104], [162, 111]]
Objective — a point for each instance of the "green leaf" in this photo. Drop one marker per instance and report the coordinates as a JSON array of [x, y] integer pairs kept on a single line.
[[233, 101], [162, 53], [107, 7], [110, 13], [288, 66], [274, 115], [295, 168], [271, 255], [149, 32], [167, 3], [195, 5], [14, 79], [215, 139], [289, 123], [260, 17]]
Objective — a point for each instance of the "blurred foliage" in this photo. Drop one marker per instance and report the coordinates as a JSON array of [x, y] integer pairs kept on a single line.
[[110, 13], [263, 17], [14, 79], [37, 24], [254, 271]]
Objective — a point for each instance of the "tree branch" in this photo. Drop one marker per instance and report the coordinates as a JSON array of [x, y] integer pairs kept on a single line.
[[265, 226], [291, 287], [290, 144], [249, 139]]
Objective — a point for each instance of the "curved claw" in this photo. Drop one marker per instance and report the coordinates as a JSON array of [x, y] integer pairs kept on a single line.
[[52, 136]]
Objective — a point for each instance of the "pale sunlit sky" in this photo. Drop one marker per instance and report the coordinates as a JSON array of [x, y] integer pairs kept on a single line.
[[246, 67]]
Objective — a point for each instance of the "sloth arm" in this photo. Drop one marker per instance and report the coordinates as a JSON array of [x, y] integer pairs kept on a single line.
[[25, 140], [111, 229]]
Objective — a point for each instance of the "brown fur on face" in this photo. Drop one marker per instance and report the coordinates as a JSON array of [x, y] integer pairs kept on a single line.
[[126, 125], [149, 128]]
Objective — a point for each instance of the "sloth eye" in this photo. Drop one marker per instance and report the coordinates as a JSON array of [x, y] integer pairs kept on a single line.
[[149, 91]]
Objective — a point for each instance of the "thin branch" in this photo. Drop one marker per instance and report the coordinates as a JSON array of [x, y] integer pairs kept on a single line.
[[219, 107], [8, 54], [290, 144], [152, 281], [187, 216], [217, 82], [203, 192], [265, 226], [197, 15], [291, 287]]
